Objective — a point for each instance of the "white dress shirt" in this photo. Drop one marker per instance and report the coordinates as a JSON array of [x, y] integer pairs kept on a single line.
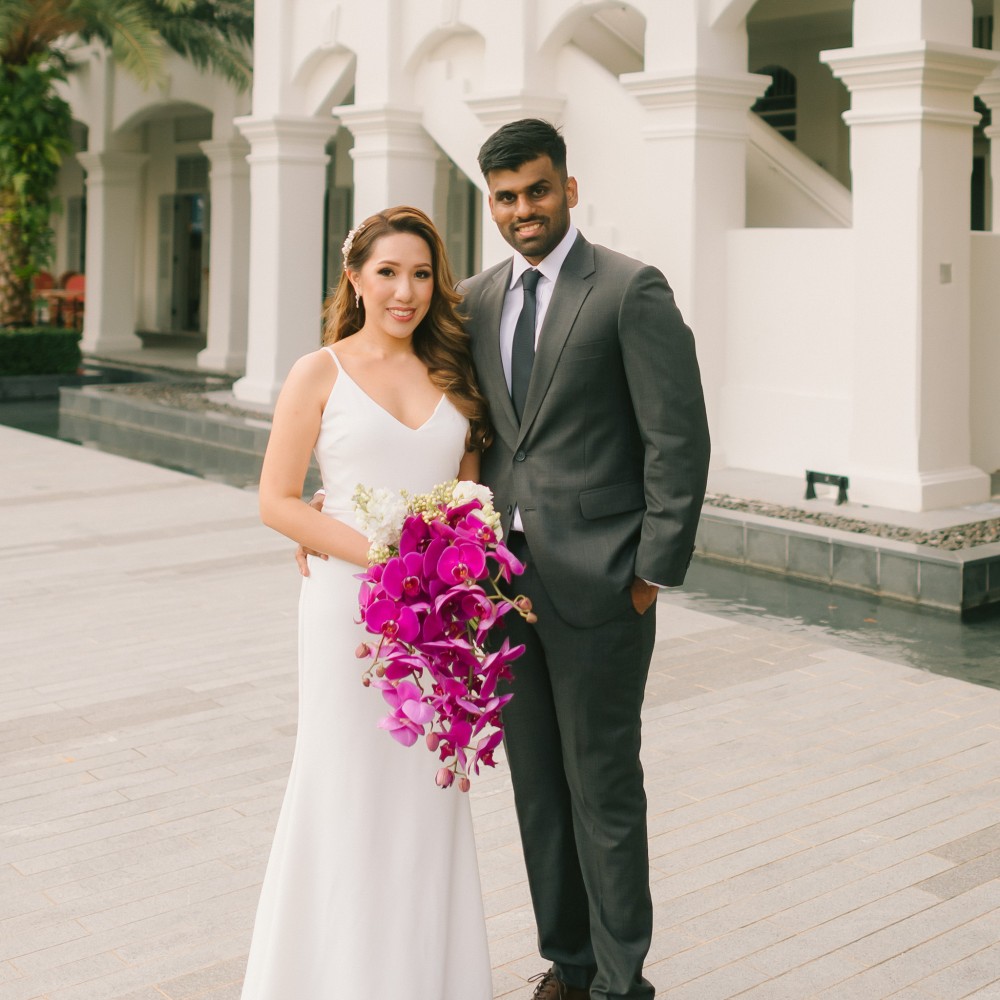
[[549, 270]]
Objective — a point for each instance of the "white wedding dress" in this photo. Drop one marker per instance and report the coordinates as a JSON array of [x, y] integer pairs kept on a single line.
[[372, 888]]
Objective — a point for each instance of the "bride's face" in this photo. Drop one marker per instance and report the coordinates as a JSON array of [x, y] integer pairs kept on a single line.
[[396, 284]]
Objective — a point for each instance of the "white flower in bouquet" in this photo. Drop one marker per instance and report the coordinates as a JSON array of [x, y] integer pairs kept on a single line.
[[381, 513], [465, 489]]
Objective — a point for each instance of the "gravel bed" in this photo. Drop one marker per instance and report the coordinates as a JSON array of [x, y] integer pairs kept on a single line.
[[190, 396], [960, 536]]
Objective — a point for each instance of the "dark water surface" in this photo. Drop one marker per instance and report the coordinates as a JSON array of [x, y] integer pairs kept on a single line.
[[937, 641]]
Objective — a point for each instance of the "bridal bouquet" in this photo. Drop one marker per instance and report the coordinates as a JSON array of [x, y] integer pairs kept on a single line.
[[431, 597]]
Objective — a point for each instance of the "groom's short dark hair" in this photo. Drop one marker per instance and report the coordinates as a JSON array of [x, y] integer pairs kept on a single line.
[[516, 143]]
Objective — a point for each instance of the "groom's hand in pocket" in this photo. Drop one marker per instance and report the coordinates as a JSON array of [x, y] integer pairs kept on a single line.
[[643, 595]]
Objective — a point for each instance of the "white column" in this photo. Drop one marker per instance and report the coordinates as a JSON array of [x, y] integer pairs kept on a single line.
[[229, 255], [113, 190], [287, 182], [911, 124], [395, 160], [696, 137]]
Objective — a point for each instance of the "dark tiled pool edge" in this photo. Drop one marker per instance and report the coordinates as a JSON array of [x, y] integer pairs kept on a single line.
[[959, 582], [214, 445]]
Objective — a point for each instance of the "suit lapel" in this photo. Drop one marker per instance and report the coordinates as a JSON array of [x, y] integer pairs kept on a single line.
[[489, 366], [572, 288]]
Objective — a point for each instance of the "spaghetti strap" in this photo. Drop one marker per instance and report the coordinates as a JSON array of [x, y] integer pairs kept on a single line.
[[333, 354]]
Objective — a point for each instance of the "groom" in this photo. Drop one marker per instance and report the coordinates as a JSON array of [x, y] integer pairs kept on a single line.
[[598, 466]]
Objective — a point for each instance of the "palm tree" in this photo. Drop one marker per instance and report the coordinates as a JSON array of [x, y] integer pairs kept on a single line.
[[37, 38]]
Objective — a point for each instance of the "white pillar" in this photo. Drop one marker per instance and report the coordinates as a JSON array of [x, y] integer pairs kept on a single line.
[[229, 255], [911, 124], [113, 188], [287, 182], [696, 137], [395, 160]]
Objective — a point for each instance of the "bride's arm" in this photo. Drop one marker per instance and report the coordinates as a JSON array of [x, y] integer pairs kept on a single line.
[[468, 468], [294, 429]]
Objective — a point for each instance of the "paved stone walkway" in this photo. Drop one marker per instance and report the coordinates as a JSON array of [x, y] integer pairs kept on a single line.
[[822, 824]]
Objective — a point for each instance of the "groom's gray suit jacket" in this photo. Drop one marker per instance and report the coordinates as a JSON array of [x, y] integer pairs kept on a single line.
[[609, 463]]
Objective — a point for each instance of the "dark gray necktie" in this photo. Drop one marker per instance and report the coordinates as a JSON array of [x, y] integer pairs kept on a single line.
[[522, 353]]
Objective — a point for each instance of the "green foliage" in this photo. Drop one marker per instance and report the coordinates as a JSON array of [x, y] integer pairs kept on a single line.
[[212, 34], [34, 137], [39, 351], [215, 35]]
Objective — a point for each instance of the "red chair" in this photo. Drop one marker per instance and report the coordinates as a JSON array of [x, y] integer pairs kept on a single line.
[[41, 285], [56, 297], [73, 303]]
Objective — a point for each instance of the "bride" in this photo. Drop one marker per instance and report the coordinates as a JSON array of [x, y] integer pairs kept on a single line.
[[372, 886]]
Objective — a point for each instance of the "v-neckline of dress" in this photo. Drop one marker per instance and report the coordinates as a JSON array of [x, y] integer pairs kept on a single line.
[[392, 416]]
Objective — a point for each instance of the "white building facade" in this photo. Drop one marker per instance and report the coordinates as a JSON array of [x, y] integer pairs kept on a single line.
[[837, 253]]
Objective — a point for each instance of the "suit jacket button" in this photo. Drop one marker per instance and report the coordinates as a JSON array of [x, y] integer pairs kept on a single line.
[[520, 456]]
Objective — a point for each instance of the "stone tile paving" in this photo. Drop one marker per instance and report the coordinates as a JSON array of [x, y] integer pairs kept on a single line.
[[822, 824]]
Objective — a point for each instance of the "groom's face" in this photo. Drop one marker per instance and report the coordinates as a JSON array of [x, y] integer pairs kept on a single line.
[[531, 206]]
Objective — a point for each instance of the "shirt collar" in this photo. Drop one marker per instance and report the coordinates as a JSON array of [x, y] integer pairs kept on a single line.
[[550, 265]]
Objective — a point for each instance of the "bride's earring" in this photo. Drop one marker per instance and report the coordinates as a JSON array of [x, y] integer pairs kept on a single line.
[[357, 298]]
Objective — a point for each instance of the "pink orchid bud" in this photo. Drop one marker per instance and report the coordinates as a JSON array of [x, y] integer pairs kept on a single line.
[[523, 603], [380, 670], [531, 618], [363, 651], [366, 680], [433, 739], [445, 777], [464, 784]]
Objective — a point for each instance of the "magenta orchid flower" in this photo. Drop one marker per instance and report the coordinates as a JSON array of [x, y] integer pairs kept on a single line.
[[461, 563], [395, 622], [414, 537], [402, 579], [509, 564]]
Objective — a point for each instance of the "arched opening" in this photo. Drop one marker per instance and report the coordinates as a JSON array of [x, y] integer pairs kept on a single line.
[[777, 105], [805, 101], [981, 194], [70, 226], [981, 208], [338, 204], [178, 192]]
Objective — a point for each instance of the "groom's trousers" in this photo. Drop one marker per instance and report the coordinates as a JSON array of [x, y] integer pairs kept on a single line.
[[572, 739]]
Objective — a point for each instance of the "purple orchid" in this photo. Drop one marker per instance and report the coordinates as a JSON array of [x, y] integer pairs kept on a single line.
[[401, 579], [395, 622], [509, 564], [463, 562]]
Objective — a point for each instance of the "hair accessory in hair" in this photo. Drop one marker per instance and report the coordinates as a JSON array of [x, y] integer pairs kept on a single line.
[[349, 242]]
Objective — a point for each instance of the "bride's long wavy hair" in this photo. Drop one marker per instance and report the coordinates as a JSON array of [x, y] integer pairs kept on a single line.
[[439, 341]]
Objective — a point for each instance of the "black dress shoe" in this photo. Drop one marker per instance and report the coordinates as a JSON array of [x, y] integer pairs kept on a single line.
[[551, 987]]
